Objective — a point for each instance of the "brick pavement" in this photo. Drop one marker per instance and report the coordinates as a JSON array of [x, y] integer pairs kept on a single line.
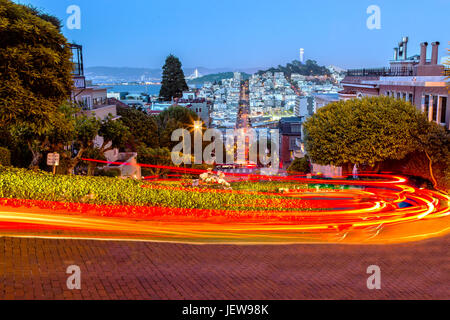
[[35, 269]]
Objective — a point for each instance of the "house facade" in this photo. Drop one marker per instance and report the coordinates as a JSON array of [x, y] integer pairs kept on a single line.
[[416, 79]]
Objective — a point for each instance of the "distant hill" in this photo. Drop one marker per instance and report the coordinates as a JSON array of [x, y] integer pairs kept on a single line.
[[309, 68], [216, 77], [126, 74], [121, 74]]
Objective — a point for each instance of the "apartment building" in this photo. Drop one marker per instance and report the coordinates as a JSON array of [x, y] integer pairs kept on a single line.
[[416, 79]]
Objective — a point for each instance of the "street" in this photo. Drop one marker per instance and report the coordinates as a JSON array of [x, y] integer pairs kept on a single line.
[[36, 269]]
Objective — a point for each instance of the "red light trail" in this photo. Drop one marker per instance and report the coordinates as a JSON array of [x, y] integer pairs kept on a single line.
[[376, 209]]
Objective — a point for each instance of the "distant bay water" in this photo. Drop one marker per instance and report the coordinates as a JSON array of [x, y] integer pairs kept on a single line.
[[152, 89]]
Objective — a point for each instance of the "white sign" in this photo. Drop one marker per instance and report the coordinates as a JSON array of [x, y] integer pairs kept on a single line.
[[53, 159]]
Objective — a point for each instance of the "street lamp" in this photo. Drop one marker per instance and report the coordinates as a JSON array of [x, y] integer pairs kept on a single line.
[[197, 125]]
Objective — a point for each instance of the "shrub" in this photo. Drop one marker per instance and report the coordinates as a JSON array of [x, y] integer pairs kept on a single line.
[[299, 165], [112, 173], [5, 157]]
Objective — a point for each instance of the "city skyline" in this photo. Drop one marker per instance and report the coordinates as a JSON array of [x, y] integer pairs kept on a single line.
[[241, 35]]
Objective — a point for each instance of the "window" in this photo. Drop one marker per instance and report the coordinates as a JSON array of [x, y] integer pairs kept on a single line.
[[435, 105], [443, 103], [404, 96], [293, 143], [426, 104], [398, 95], [296, 128], [411, 98], [86, 102], [387, 93]]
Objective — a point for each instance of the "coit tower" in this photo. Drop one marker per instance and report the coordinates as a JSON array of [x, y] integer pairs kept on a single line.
[[302, 53]]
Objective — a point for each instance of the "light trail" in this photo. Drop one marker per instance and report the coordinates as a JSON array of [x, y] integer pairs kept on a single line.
[[384, 209]]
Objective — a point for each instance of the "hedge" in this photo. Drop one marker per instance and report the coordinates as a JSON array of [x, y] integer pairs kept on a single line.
[[24, 184]]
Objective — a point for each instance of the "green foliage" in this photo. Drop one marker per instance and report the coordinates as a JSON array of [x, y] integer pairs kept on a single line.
[[171, 119], [87, 129], [310, 68], [92, 153], [299, 165], [112, 173], [217, 77], [5, 157], [25, 184], [433, 141], [143, 127], [44, 16], [173, 82], [35, 68], [362, 131], [416, 164], [154, 156], [267, 186], [114, 133]]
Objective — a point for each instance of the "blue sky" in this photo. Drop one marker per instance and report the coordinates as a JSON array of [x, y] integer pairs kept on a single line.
[[249, 33]]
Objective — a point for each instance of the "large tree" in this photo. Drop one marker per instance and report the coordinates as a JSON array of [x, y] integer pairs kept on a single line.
[[35, 73], [173, 81], [173, 118], [35, 67], [143, 127], [433, 140], [362, 131]]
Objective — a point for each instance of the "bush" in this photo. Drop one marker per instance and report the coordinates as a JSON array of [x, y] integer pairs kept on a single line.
[[112, 173], [299, 165], [5, 157]]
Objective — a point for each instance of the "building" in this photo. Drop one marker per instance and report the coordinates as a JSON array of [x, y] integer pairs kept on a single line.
[[321, 100], [94, 102], [416, 79], [90, 99], [290, 130]]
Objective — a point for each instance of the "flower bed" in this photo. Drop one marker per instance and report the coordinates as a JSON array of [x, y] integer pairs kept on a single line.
[[105, 191]]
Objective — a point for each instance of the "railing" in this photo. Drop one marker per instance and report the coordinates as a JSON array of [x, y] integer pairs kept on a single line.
[[382, 72]]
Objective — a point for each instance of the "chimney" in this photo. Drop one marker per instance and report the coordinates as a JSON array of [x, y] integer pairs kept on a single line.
[[434, 52], [405, 48], [395, 54], [423, 53]]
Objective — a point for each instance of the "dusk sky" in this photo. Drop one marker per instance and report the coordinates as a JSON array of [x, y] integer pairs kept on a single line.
[[249, 33]]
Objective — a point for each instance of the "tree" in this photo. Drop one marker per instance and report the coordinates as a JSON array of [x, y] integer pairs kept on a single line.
[[44, 16], [173, 81], [35, 74], [361, 131], [86, 129], [156, 157], [35, 68], [173, 118], [434, 141], [114, 133], [143, 127]]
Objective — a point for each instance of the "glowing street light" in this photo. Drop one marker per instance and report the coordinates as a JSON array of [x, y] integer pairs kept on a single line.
[[197, 125]]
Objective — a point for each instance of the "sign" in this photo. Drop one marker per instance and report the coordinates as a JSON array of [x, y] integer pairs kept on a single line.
[[53, 159]]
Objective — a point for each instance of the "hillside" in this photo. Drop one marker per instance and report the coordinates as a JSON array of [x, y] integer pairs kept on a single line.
[[125, 74], [216, 77], [310, 68]]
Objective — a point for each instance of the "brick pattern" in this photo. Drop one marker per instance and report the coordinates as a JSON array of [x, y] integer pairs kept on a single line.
[[35, 269]]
